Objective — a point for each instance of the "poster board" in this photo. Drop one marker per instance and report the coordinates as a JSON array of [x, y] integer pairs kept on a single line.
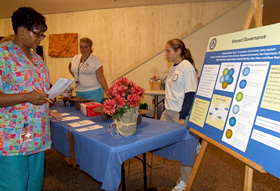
[[237, 103]]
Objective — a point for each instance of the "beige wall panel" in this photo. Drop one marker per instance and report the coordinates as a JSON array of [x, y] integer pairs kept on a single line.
[[231, 21], [124, 38], [6, 27], [141, 32]]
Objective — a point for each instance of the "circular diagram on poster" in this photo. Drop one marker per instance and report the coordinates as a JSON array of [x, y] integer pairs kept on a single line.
[[225, 71], [232, 121], [230, 80], [222, 79], [242, 84], [231, 71], [246, 71], [227, 77], [235, 109], [229, 133], [224, 85], [239, 96]]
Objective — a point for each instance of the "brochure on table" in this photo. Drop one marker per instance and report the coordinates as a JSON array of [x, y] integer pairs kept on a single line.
[[237, 102]]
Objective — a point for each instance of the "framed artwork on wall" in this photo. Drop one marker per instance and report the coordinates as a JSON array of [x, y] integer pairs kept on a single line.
[[63, 45]]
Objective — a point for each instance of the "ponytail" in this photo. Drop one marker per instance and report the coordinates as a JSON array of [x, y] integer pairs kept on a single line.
[[188, 56]]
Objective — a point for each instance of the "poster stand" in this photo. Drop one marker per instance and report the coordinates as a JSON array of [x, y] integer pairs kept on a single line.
[[250, 165], [255, 11]]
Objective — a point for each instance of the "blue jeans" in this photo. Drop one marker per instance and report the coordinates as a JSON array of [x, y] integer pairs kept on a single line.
[[22, 173], [96, 95]]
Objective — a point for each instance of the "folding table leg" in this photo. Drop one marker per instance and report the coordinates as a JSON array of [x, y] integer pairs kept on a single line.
[[123, 177], [145, 172], [72, 159], [144, 161], [145, 175]]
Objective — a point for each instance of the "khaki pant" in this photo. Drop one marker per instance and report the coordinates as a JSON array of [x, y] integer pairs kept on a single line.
[[173, 116]]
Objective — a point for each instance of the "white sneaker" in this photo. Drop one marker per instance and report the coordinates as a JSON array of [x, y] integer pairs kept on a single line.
[[181, 186], [198, 147]]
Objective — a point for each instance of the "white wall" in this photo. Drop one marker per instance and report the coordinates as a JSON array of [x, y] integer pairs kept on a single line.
[[231, 21]]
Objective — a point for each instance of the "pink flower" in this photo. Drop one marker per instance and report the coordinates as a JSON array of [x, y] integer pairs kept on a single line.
[[137, 90], [109, 91], [133, 100], [123, 80], [120, 101], [122, 90], [115, 91], [109, 106]]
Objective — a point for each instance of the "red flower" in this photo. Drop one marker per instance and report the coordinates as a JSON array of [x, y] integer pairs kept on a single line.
[[133, 100], [137, 90], [122, 90], [109, 106], [120, 101]]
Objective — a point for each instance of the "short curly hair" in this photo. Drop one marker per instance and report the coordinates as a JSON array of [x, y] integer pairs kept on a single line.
[[28, 18], [88, 41]]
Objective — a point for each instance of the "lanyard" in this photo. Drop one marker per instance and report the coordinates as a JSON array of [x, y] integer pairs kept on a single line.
[[81, 64]]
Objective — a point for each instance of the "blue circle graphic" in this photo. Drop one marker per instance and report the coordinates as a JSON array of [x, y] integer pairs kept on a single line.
[[243, 84], [230, 80], [232, 121], [227, 77], [246, 71], [222, 79], [235, 109], [231, 71]]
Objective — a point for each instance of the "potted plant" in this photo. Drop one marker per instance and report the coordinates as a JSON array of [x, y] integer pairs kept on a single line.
[[123, 105]]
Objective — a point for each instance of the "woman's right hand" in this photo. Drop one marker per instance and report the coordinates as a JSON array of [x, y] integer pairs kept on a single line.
[[13, 99], [36, 98]]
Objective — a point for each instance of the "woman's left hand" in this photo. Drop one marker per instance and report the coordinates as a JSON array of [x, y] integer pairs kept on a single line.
[[68, 92], [57, 116]]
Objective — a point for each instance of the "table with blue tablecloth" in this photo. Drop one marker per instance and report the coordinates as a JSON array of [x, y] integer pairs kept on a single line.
[[101, 155]]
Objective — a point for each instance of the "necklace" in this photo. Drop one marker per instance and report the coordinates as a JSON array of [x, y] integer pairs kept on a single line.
[[79, 67]]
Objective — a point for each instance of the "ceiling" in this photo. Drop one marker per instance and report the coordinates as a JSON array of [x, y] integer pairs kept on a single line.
[[271, 7], [62, 6]]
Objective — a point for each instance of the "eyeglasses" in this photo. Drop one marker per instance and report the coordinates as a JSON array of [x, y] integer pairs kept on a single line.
[[38, 35]]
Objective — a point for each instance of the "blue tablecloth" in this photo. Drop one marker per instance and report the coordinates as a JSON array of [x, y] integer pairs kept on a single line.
[[101, 155]]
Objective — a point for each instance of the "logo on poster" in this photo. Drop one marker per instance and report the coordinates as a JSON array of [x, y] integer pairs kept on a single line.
[[213, 43]]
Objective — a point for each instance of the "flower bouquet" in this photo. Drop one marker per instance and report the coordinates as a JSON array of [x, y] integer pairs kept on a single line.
[[123, 106]]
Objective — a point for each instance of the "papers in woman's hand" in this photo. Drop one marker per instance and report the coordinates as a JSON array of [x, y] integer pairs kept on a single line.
[[60, 86]]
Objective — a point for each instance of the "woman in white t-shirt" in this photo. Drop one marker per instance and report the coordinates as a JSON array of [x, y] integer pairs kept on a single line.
[[180, 88], [88, 72]]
